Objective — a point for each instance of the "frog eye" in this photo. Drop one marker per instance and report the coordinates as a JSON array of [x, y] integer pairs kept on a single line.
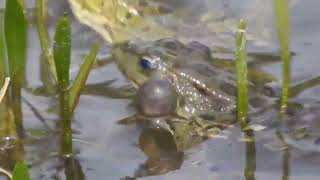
[[147, 63]]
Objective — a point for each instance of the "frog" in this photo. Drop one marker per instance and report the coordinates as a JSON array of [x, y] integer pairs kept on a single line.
[[206, 89]]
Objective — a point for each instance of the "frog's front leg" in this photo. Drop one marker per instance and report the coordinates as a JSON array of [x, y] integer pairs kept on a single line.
[[213, 127], [185, 133]]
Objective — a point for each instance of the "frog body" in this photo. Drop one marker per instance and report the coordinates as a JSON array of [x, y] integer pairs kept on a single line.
[[203, 87], [206, 91]]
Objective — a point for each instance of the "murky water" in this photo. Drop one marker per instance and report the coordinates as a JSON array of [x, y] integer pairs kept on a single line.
[[106, 150]]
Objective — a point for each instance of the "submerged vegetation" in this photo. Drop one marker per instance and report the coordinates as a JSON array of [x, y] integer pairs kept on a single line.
[[13, 55]]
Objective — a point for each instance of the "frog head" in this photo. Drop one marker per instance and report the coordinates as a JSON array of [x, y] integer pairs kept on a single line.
[[141, 61]]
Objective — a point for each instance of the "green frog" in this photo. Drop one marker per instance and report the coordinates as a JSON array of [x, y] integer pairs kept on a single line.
[[206, 88]]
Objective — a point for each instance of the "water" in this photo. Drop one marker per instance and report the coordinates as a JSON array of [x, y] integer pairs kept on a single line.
[[106, 150]]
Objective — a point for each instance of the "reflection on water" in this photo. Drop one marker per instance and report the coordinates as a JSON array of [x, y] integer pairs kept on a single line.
[[286, 164], [161, 151], [73, 169], [250, 167]]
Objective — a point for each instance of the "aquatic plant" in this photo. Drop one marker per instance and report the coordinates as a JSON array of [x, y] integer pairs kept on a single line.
[[69, 93], [82, 76], [20, 172], [283, 28], [41, 15], [242, 72], [15, 32], [62, 56]]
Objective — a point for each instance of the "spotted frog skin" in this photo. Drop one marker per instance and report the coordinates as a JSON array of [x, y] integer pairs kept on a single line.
[[203, 86], [206, 87]]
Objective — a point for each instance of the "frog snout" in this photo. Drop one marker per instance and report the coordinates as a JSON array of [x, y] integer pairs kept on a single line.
[[157, 97]]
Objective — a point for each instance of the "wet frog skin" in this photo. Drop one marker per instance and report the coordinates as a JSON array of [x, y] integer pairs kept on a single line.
[[206, 91], [203, 88]]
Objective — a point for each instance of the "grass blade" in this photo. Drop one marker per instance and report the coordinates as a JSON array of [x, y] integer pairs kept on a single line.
[[82, 76], [20, 172], [41, 10], [282, 19], [62, 57], [16, 40], [241, 69], [62, 52], [15, 29]]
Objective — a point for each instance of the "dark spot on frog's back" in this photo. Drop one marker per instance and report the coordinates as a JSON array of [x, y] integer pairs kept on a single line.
[[202, 90]]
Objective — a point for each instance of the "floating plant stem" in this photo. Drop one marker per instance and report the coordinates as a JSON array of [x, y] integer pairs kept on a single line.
[[283, 27], [15, 30], [62, 56], [4, 88], [241, 69], [41, 10], [82, 76]]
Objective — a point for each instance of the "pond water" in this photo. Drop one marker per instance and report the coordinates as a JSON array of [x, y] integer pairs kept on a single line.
[[105, 149]]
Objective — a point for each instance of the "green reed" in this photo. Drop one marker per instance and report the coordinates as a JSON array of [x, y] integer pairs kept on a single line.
[[69, 93], [13, 45], [62, 58], [79, 82], [15, 31], [283, 28], [20, 172], [241, 69], [41, 12]]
